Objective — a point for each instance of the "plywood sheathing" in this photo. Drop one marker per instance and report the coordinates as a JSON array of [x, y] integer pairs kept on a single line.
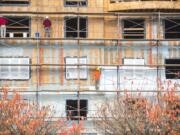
[[94, 6], [144, 5]]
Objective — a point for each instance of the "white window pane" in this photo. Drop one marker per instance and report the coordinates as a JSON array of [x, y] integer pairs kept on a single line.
[[15, 72], [83, 73], [72, 72], [25, 60], [133, 61], [24, 70], [83, 69], [4, 69], [14, 62], [4, 61], [14, 69]]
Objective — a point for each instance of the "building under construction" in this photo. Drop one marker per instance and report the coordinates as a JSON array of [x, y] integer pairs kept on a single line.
[[134, 44]]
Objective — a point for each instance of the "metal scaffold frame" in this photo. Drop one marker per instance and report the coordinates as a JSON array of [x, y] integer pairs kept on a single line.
[[156, 42]]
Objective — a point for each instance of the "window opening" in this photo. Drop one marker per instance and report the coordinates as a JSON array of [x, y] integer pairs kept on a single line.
[[72, 109], [72, 29], [18, 26], [171, 28], [172, 71], [133, 29]]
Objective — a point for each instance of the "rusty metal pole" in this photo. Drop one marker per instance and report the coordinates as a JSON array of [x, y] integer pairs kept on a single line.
[[157, 45], [118, 49], [37, 62], [78, 67]]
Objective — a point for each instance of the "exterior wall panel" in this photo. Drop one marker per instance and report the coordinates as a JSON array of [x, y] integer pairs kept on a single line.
[[53, 77]]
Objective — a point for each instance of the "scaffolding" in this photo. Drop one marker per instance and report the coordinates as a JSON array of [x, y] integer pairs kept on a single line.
[[83, 41]]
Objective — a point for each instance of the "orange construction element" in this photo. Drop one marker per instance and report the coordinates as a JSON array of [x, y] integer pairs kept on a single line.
[[97, 74]]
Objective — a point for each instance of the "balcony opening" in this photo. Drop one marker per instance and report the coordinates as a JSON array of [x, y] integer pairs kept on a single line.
[[172, 28], [14, 2], [72, 109], [172, 70], [134, 29], [18, 26], [75, 3], [75, 27]]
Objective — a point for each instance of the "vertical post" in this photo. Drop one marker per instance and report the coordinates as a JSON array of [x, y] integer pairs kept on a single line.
[[37, 62], [157, 45], [78, 43], [118, 49]]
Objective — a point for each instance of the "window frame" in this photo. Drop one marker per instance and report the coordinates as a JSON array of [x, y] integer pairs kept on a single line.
[[85, 66], [65, 5], [10, 67], [123, 28], [65, 26]]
